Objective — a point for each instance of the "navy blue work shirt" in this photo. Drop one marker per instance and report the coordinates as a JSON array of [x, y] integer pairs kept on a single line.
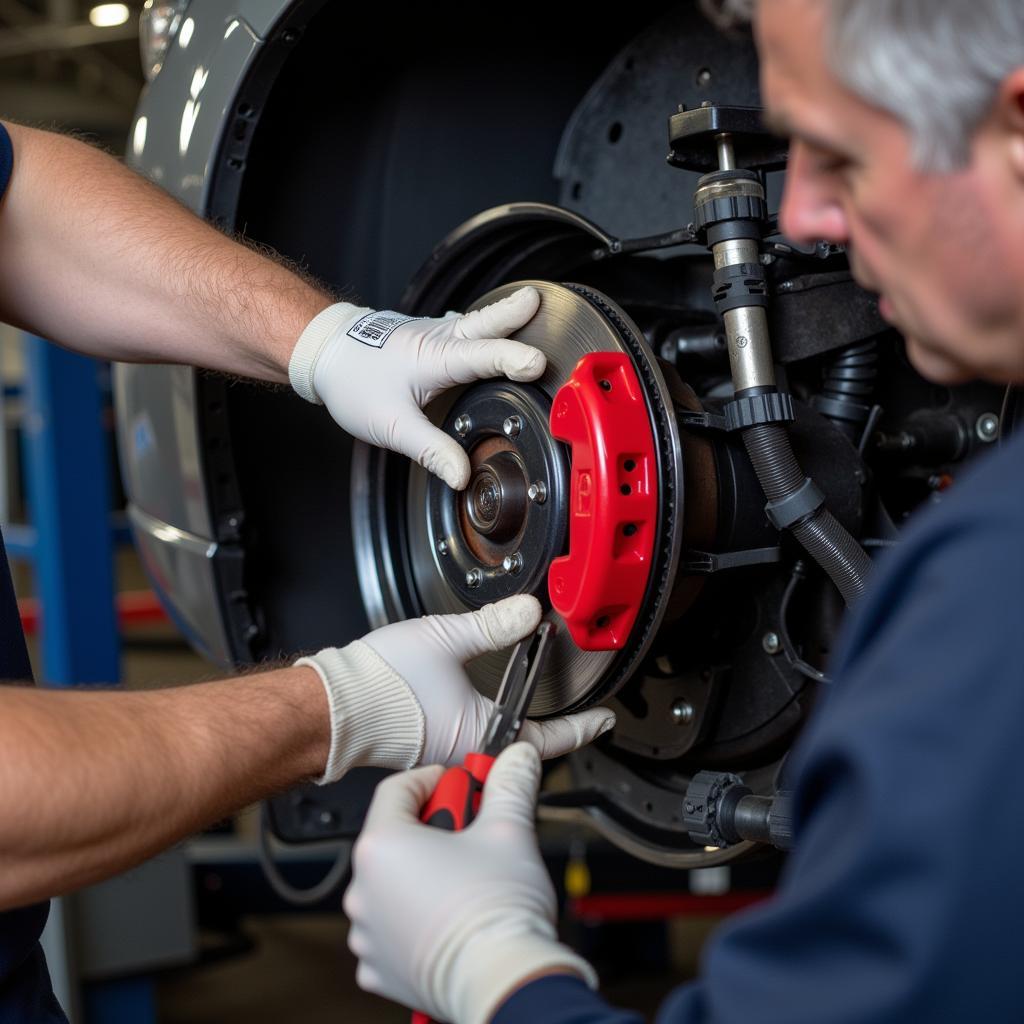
[[25, 990], [904, 898]]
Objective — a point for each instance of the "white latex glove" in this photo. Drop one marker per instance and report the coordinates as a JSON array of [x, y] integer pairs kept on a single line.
[[400, 696], [375, 370], [452, 923]]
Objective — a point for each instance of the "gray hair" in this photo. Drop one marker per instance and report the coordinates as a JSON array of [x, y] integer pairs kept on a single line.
[[935, 65], [728, 14]]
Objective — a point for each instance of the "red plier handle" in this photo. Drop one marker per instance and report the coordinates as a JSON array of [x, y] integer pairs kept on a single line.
[[453, 805], [455, 802], [456, 798]]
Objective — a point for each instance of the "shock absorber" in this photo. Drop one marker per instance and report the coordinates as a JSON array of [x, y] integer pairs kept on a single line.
[[731, 217]]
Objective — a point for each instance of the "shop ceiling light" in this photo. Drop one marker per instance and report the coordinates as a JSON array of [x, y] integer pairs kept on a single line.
[[108, 15]]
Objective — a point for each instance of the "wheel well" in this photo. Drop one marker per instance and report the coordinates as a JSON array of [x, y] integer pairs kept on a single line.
[[353, 151]]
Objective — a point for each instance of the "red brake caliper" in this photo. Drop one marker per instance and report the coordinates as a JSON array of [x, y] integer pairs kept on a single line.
[[613, 501]]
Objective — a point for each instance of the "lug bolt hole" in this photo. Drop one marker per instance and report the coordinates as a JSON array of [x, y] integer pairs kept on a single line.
[[629, 529], [629, 465], [604, 385], [626, 489]]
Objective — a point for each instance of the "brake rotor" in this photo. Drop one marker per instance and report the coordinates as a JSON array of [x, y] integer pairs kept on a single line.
[[496, 538]]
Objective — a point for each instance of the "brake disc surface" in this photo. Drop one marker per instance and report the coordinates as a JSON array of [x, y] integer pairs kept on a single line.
[[572, 321]]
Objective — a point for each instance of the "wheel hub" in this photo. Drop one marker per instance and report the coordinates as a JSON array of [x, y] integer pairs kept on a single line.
[[491, 540]]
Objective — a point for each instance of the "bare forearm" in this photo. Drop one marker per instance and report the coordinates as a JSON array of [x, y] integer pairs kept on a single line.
[[92, 783], [102, 261]]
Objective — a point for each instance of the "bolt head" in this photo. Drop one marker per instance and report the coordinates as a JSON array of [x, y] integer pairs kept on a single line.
[[772, 643], [512, 426], [463, 425], [442, 547], [512, 563], [987, 427], [682, 712], [474, 578], [537, 492]]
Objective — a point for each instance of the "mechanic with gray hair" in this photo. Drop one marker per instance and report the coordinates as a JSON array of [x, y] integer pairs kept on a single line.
[[92, 783], [903, 898]]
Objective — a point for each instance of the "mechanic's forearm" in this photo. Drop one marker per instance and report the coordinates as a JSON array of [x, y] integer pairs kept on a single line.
[[102, 261], [92, 783]]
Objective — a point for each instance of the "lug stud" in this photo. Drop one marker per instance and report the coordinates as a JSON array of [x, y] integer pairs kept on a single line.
[[512, 563], [463, 425], [474, 578], [512, 426], [537, 492], [987, 427], [682, 712]]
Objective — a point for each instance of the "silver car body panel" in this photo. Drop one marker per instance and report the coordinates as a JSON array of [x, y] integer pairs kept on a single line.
[[160, 454], [181, 564], [156, 412], [197, 86]]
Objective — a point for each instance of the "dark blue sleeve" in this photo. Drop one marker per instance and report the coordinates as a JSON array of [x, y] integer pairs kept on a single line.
[[6, 160], [902, 900], [904, 890], [560, 999]]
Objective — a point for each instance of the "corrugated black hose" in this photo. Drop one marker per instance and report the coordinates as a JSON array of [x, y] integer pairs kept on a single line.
[[848, 388], [821, 534], [853, 373]]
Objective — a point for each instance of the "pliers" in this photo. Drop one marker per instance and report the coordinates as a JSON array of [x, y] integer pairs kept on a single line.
[[456, 798]]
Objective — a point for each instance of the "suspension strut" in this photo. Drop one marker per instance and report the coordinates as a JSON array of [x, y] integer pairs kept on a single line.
[[731, 218]]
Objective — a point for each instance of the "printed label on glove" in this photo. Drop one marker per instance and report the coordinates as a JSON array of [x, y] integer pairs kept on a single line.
[[375, 328]]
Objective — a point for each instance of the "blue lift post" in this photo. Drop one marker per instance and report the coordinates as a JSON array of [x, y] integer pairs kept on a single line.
[[72, 551]]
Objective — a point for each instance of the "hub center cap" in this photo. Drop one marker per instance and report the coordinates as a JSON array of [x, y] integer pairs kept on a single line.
[[496, 497]]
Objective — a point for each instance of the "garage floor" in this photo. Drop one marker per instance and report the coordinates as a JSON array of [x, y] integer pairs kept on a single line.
[[300, 971]]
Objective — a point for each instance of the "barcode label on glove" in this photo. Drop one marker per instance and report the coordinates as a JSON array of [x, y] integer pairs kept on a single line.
[[375, 328]]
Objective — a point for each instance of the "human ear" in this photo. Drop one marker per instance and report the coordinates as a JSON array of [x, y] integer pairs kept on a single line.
[[1009, 116]]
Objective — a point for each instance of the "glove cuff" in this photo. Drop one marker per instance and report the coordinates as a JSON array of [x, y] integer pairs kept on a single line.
[[311, 343], [492, 979], [487, 989], [376, 719]]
